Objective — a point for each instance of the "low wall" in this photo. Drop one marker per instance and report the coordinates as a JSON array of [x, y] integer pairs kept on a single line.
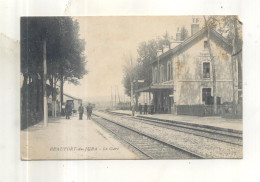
[[192, 110], [203, 110]]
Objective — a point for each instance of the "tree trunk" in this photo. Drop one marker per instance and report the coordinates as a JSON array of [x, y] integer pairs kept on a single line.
[[234, 69], [136, 100], [52, 96], [34, 96], [55, 95], [24, 102], [45, 104], [61, 93]]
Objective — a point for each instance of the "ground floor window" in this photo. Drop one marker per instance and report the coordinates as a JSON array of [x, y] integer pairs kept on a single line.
[[206, 96], [206, 70]]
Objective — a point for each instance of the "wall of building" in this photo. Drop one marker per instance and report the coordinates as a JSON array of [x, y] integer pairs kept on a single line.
[[162, 73], [188, 73]]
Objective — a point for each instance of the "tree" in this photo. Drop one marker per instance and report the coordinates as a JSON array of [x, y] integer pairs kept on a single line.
[[142, 70], [231, 28], [130, 71], [65, 56], [147, 54]]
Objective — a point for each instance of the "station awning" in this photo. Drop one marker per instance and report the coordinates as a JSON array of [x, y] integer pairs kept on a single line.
[[155, 87]]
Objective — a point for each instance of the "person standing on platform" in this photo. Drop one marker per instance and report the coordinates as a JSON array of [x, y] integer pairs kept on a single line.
[[67, 111], [140, 108], [81, 111], [145, 108], [133, 110], [89, 111]]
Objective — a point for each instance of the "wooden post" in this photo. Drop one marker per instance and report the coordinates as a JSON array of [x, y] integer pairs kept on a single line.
[[45, 105], [111, 98], [55, 109], [234, 69], [132, 97], [212, 60]]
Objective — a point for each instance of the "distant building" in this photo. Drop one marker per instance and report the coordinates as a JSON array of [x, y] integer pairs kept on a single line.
[[182, 76], [75, 102]]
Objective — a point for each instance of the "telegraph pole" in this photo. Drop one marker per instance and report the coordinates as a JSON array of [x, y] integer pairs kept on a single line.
[[132, 97], [115, 96], [111, 98], [212, 60], [45, 106], [118, 94], [234, 69]]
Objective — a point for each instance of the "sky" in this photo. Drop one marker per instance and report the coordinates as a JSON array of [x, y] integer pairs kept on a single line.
[[108, 41]]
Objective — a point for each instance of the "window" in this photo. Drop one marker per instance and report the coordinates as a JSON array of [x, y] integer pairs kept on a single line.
[[162, 73], [206, 96], [206, 44], [169, 70], [206, 70]]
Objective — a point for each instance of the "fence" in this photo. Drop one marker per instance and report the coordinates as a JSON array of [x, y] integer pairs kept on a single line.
[[203, 110]]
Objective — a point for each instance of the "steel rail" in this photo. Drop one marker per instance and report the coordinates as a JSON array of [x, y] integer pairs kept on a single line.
[[156, 139], [171, 125], [121, 138]]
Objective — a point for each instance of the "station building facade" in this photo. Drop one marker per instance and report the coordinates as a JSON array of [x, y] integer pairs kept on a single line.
[[183, 75]]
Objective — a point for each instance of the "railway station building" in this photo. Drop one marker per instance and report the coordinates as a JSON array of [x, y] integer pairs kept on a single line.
[[183, 75]]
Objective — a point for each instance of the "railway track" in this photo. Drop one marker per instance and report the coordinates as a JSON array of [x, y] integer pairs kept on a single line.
[[149, 146], [221, 136]]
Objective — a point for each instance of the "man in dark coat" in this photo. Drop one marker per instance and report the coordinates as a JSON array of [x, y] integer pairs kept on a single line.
[[89, 111], [67, 111], [81, 111]]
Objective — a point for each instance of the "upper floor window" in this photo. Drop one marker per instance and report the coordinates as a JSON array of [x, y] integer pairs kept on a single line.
[[169, 70], [155, 75], [206, 96], [206, 44], [162, 73], [206, 70]]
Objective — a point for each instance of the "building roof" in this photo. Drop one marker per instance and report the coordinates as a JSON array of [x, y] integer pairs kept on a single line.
[[194, 38], [74, 98], [155, 87]]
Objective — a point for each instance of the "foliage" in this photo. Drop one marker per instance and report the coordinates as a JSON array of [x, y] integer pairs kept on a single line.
[[141, 67], [225, 25], [64, 49], [64, 55], [130, 74]]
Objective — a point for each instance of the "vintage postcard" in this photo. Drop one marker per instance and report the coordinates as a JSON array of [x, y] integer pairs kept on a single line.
[[131, 87]]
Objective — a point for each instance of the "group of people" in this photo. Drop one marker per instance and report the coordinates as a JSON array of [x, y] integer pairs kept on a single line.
[[81, 111], [140, 108], [68, 111]]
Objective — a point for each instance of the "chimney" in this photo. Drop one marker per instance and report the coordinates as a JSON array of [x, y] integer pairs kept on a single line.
[[178, 35], [194, 26]]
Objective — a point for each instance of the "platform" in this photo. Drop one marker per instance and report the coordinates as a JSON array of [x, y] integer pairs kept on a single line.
[[71, 139], [214, 122]]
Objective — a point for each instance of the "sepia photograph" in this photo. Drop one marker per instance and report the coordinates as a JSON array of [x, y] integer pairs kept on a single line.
[[131, 87]]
